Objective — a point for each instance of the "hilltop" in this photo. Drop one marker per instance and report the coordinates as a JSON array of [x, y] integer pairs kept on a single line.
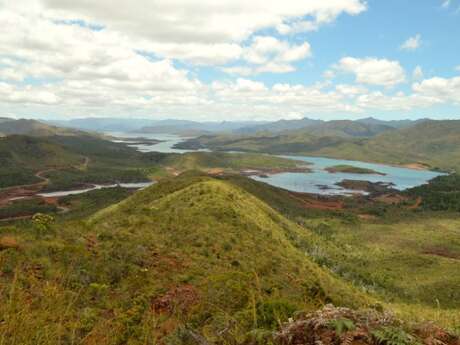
[[220, 259], [192, 251], [33, 128]]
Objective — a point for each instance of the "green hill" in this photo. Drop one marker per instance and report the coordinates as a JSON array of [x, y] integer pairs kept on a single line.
[[32, 128], [192, 251], [22, 157], [434, 143], [69, 161], [217, 258], [346, 129]]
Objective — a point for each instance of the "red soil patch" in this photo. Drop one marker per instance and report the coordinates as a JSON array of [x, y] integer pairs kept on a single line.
[[391, 199], [416, 166], [417, 204], [216, 172], [51, 201], [7, 242], [165, 263], [441, 251], [317, 202], [177, 299]]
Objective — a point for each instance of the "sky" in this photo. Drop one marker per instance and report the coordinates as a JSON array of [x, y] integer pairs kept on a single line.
[[230, 60]]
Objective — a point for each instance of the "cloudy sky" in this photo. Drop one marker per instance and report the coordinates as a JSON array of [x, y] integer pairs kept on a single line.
[[230, 59]]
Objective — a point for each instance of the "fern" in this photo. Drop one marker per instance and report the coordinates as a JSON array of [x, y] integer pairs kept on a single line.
[[341, 325], [393, 336]]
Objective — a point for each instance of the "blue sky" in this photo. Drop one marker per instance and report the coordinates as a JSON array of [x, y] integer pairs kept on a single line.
[[230, 60]]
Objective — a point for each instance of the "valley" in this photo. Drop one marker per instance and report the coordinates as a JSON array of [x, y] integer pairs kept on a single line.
[[231, 172]]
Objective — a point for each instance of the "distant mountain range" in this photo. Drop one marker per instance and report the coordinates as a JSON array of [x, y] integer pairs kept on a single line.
[[365, 127], [429, 142], [171, 126], [33, 128], [391, 123]]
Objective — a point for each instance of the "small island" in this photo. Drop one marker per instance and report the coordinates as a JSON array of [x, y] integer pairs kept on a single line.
[[138, 141], [373, 188], [349, 169]]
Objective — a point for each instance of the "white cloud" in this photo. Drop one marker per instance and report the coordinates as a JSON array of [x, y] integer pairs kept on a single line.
[[27, 95], [400, 101], [417, 74], [441, 89], [266, 49], [11, 74], [205, 21], [297, 27], [350, 90], [269, 54], [373, 71], [239, 70], [74, 65], [132, 66], [457, 68], [412, 43]]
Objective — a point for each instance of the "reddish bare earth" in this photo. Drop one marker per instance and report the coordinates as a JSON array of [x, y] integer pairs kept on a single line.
[[318, 202]]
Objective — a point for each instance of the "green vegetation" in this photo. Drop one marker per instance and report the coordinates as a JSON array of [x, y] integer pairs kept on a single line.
[[351, 170], [26, 207], [70, 161], [332, 325], [226, 258], [15, 176], [21, 157], [73, 161], [441, 194], [32, 128], [191, 251], [83, 205], [432, 143], [230, 162]]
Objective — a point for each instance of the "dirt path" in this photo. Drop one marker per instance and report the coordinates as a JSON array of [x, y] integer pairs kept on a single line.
[[417, 204], [28, 191]]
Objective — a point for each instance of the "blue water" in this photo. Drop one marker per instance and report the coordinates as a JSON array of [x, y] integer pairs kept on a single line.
[[139, 185], [318, 179], [166, 146], [402, 178]]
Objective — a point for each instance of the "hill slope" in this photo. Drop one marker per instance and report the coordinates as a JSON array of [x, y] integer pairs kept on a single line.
[[21, 157], [434, 143], [346, 129], [33, 128], [100, 161], [192, 251]]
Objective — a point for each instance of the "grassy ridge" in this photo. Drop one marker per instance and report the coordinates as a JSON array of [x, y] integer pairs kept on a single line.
[[191, 250], [231, 162], [223, 255]]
